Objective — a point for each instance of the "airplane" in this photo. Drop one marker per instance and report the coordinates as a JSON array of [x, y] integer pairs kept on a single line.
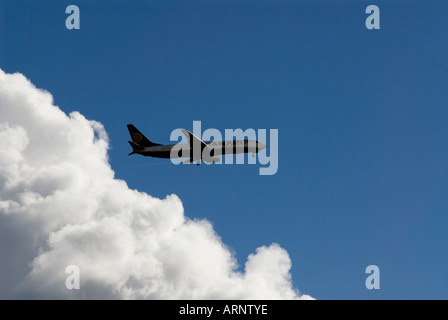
[[196, 149]]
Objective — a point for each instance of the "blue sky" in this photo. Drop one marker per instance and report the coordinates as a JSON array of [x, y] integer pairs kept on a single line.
[[362, 118]]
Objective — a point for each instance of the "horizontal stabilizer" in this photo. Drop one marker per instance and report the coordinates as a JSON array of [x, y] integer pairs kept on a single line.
[[135, 148]]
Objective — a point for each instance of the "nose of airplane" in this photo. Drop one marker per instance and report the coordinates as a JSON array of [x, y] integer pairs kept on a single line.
[[260, 146]]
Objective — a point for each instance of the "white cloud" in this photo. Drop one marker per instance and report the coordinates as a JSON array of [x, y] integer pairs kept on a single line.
[[60, 205]]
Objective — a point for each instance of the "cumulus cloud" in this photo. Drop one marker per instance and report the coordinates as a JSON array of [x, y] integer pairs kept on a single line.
[[61, 205]]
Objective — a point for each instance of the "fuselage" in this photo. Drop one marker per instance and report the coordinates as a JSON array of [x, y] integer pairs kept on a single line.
[[213, 149]]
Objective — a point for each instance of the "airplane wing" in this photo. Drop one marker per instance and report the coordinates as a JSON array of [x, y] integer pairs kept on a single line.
[[195, 144], [192, 139]]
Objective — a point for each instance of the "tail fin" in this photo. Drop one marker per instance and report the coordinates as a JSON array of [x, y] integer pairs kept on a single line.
[[138, 138]]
